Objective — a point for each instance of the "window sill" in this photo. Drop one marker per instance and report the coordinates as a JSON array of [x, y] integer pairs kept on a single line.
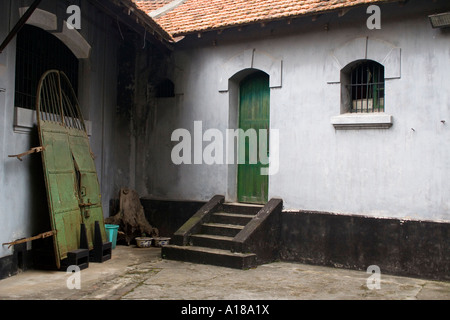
[[357, 121], [25, 121]]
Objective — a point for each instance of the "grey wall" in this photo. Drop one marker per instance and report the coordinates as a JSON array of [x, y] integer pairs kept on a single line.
[[395, 172], [23, 208]]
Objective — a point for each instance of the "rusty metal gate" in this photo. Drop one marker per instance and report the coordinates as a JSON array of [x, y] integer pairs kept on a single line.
[[73, 190]]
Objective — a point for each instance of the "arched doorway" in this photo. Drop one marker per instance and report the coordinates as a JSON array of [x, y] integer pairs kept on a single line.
[[254, 122]]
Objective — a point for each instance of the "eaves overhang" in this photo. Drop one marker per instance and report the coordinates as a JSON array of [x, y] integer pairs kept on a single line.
[[134, 18]]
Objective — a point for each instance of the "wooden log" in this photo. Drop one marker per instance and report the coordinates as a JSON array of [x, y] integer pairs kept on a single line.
[[131, 218]]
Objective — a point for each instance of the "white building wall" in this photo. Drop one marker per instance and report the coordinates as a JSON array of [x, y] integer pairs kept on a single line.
[[398, 172]]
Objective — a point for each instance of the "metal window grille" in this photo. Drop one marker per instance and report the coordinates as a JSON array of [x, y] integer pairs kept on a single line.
[[367, 87], [36, 52]]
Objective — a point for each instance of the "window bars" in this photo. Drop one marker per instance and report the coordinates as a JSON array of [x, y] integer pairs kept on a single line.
[[38, 51], [366, 87], [57, 101]]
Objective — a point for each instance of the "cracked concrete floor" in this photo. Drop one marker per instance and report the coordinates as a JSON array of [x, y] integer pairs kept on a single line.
[[140, 274]]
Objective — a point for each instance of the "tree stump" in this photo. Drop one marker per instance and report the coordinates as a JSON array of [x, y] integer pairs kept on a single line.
[[131, 218]]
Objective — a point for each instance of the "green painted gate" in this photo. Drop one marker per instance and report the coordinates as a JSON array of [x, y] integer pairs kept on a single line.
[[254, 113], [73, 190]]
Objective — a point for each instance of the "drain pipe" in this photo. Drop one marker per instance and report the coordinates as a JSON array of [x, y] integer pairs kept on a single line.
[[19, 24]]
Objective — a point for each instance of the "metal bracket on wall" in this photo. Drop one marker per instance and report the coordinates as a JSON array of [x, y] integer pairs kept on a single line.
[[33, 150], [2, 90], [40, 236]]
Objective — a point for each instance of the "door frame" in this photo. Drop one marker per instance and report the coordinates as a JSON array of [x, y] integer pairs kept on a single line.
[[233, 123]]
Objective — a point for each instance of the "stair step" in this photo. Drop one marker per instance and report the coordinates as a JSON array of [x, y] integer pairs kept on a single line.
[[221, 229], [218, 257], [241, 208], [212, 241], [231, 218]]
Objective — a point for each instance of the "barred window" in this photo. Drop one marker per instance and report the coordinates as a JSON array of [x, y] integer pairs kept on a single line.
[[366, 87], [38, 51]]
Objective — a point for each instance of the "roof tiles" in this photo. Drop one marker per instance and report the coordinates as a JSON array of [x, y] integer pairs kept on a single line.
[[193, 16], [150, 5]]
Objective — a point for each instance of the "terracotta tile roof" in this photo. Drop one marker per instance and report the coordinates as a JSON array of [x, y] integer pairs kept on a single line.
[[203, 15], [151, 5]]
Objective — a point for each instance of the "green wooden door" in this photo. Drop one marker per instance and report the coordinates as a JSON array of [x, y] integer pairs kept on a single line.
[[254, 113]]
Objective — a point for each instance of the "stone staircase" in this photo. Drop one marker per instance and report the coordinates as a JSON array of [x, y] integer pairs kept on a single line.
[[220, 234]]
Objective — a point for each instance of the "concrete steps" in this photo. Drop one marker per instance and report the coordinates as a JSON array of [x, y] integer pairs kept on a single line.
[[213, 241], [231, 218], [213, 256], [221, 229]]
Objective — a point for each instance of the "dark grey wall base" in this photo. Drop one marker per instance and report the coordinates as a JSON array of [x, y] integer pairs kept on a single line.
[[397, 247], [19, 261]]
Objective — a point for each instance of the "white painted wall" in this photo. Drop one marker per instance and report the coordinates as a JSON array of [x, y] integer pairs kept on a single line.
[[395, 172]]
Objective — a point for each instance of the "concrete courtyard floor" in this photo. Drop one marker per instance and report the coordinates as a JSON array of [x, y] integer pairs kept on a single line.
[[140, 274]]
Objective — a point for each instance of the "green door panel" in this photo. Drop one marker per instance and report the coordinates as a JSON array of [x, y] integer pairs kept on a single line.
[[254, 113], [61, 181], [88, 185]]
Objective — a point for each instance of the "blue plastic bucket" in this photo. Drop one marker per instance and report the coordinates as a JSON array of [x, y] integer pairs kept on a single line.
[[111, 233]]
